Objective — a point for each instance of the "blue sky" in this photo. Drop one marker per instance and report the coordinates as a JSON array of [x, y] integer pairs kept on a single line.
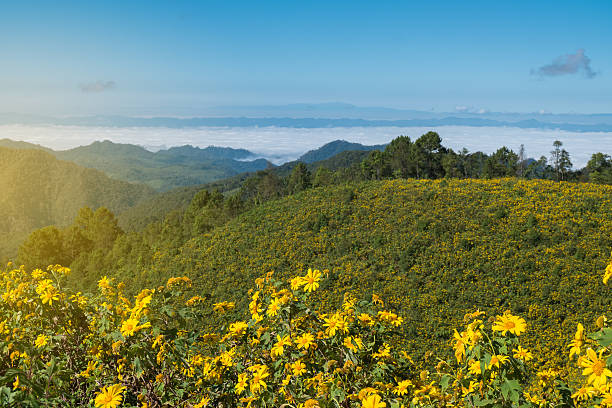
[[178, 57]]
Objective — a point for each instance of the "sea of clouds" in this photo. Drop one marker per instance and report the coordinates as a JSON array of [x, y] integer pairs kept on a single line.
[[280, 145]]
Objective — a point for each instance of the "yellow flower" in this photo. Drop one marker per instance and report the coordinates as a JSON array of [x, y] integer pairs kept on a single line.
[[595, 368], [498, 360], [130, 326], [238, 328], [608, 273], [577, 342], [383, 352], [402, 387], [181, 280], [335, 323], [104, 283], [373, 401], [49, 296], [91, 365], [304, 341], [353, 343], [601, 321], [257, 382], [366, 319], [311, 280], [522, 354], [203, 402], [583, 393], [274, 307], [223, 306], [474, 367], [41, 341], [510, 323], [279, 347], [607, 399], [110, 397], [142, 301], [241, 384], [298, 368], [297, 282], [311, 403], [16, 383], [460, 341]]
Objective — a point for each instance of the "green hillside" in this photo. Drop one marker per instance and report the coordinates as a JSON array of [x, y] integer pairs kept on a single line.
[[40, 190], [345, 165], [333, 148], [434, 249], [165, 169]]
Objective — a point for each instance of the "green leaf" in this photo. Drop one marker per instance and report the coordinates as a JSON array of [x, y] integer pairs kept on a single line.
[[603, 337], [445, 381], [510, 390], [482, 403]]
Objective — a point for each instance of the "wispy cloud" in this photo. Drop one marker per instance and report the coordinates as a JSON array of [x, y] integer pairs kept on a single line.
[[567, 65], [470, 109], [97, 86]]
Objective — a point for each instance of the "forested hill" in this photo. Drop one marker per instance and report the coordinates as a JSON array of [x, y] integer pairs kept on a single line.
[[333, 148], [162, 170], [178, 199], [433, 249], [40, 190]]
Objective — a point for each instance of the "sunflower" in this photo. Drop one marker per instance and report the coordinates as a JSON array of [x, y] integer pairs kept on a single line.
[[510, 323], [595, 368], [110, 397], [373, 401], [311, 280]]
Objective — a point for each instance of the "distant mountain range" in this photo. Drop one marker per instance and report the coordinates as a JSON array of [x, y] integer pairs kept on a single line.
[[179, 166], [332, 115], [162, 170]]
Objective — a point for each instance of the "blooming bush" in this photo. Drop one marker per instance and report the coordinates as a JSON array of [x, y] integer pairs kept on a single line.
[[66, 349]]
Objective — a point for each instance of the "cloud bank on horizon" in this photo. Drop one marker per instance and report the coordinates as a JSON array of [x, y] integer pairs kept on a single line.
[[280, 145], [567, 65]]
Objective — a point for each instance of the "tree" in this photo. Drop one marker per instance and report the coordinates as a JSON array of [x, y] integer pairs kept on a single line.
[[560, 159], [398, 153], [599, 168], [262, 186], [521, 160], [299, 179], [42, 248], [376, 166], [426, 154], [464, 162], [539, 169], [565, 164], [322, 177], [452, 164], [502, 163], [475, 164]]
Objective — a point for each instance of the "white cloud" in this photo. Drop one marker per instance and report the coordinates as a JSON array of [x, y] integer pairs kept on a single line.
[[283, 144]]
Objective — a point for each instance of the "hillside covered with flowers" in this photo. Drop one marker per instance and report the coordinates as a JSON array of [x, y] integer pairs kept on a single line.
[[433, 249], [108, 350]]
